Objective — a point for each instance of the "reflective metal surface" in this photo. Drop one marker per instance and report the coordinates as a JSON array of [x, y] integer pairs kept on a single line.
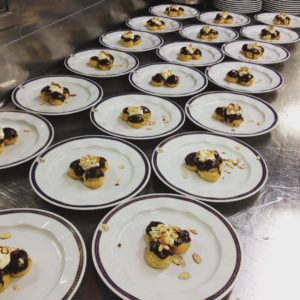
[[268, 223]]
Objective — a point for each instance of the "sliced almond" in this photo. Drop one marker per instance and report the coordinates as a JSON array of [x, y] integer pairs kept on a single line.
[[16, 287], [5, 235], [196, 258], [104, 227], [177, 260], [194, 231], [184, 276]]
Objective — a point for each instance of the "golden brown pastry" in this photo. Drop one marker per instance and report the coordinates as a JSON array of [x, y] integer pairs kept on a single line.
[[270, 33], [165, 77], [103, 62], [223, 17], [252, 50], [55, 94], [129, 39], [208, 33], [189, 53], [136, 116], [158, 256], [155, 24], [230, 114], [241, 76], [206, 163], [174, 10], [282, 19]]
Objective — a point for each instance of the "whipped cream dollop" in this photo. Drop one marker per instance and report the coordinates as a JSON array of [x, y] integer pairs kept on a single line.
[[128, 35], [206, 29], [103, 55], [134, 110], [1, 134], [271, 29], [204, 155], [166, 73], [243, 71], [88, 162], [156, 21], [56, 87], [224, 14], [4, 256], [233, 109]]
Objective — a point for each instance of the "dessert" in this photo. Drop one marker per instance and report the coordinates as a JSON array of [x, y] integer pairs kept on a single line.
[[164, 241], [8, 136], [189, 53], [55, 94], [103, 62], [136, 116], [223, 17], [270, 33], [165, 77], [174, 10], [252, 50], [155, 24], [207, 33], [230, 114], [14, 262], [282, 19], [90, 169], [129, 39], [241, 76], [206, 163]]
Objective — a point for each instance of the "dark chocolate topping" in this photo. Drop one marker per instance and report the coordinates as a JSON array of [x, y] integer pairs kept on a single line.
[[46, 89], [151, 23], [233, 73], [136, 119], [66, 90], [154, 247], [9, 133], [92, 173], [210, 164], [152, 224], [183, 237], [245, 47], [158, 78], [76, 167], [173, 79], [57, 96], [145, 109], [94, 58], [185, 51], [232, 117], [104, 62], [18, 261], [136, 37], [221, 111], [246, 77], [102, 162], [191, 160], [197, 51]]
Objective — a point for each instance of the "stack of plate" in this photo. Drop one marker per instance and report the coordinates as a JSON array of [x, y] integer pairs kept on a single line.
[[288, 6], [239, 6]]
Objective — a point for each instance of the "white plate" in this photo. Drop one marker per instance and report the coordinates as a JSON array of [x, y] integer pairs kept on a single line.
[[191, 82], [265, 79], [287, 36], [128, 166], [210, 54], [87, 93], [238, 20], [267, 18], [57, 250], [273, 54], [149, 42], [167, 115], [35, 134], [139, 23], [124, 270], [259, 116], [168, 164], [225, 34], [78, 63], [189, 12]]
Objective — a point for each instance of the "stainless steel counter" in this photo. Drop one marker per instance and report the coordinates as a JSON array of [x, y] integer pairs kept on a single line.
[[268, 223]]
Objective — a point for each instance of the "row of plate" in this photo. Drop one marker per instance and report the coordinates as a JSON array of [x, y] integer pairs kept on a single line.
[[239, 6], [288, 6], [59, 254]]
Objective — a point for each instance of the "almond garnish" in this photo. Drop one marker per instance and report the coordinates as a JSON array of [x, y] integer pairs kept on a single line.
[[196, 258], [5, 235], [104, 227], [184, 275]]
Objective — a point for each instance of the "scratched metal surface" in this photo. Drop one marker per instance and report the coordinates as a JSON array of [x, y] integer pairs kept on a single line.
[[268, 223]]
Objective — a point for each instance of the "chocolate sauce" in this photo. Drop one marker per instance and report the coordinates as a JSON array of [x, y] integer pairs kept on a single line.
[[210, 164], [151, 23], [233, 73], [185, 51], [197, 52], [75, 166], [154, 247], [46, 89], [158, 78], [92, 173], [136, 119], [152, 224], [94, 58], [146, 110], [126, 39], [173, 79], [246, 77], [221, 111], [18, 262], [136, 38], [57, 96], [190, 159], [183, 237], [202, 32], [2, 273], [102, 162], [66, 90], [9, 133], [104, 62]]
